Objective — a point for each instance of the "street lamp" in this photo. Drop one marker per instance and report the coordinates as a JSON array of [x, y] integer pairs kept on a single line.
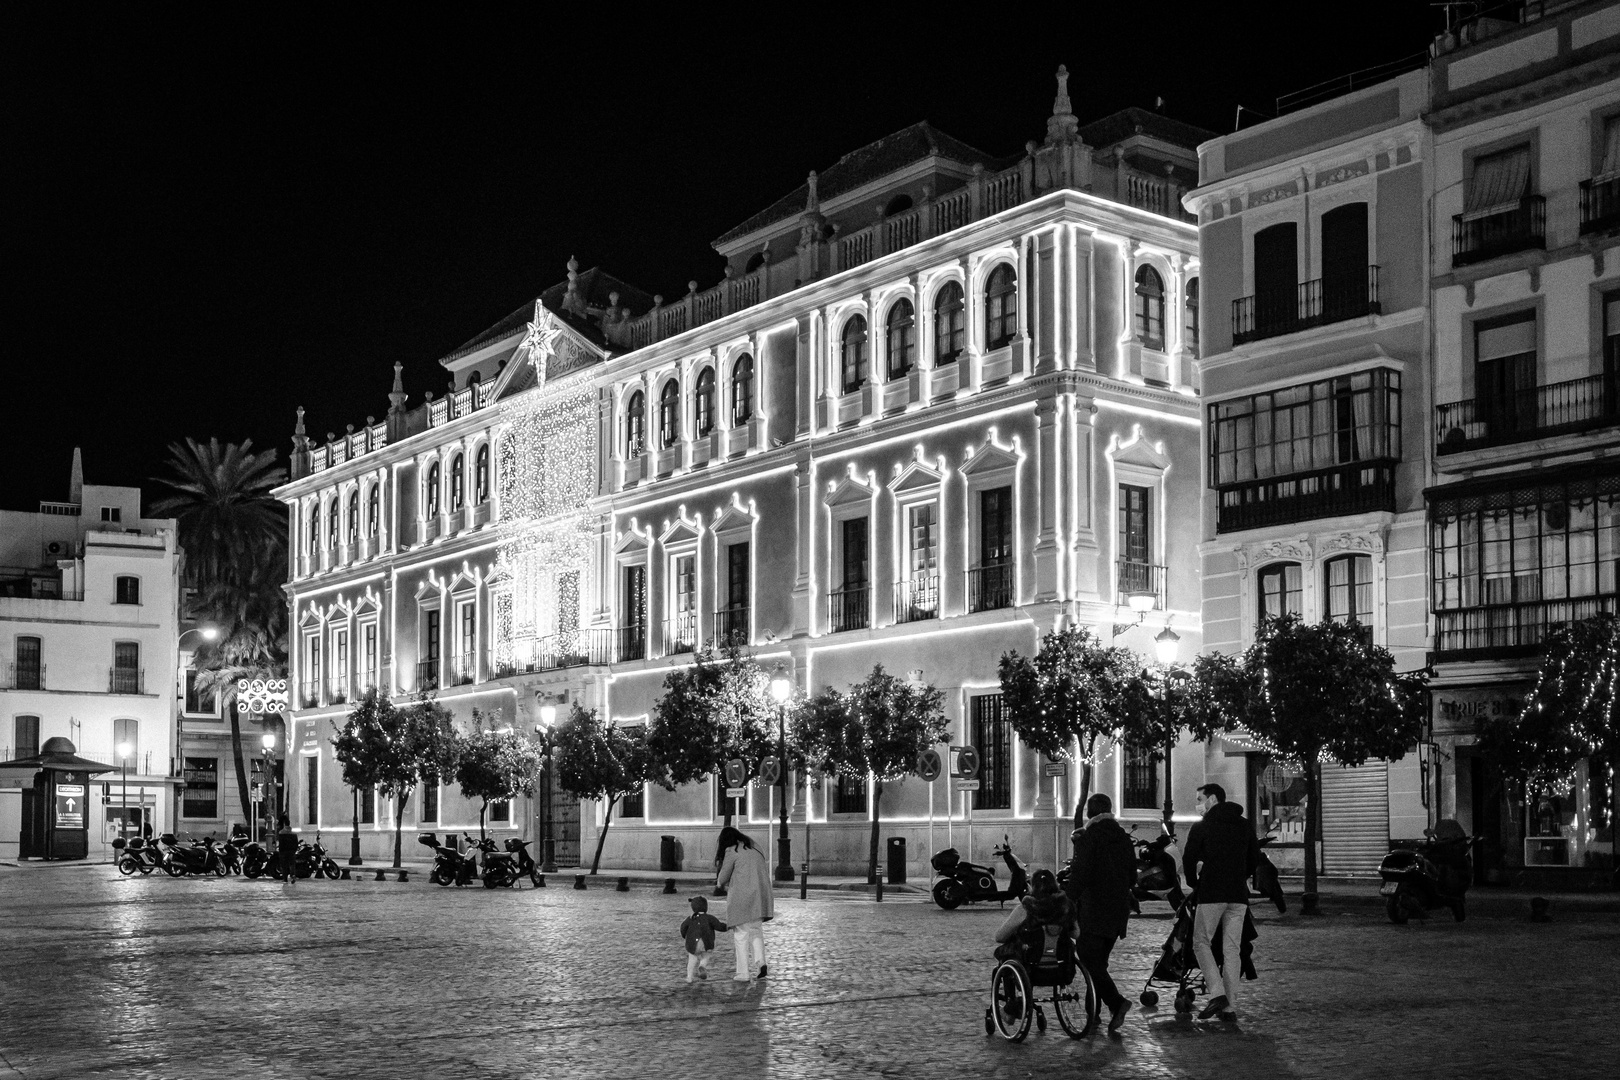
[[268, 741], [124, 750], [548, 847], [781, 690], [1166, 645]]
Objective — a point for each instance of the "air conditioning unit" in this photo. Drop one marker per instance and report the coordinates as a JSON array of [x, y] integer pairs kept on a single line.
[[56, 547]]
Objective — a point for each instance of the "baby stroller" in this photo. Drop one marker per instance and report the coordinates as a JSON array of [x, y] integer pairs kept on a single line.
[[1041, 956], [1177, 965]]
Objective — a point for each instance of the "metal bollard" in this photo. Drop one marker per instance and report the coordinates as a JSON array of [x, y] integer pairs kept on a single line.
[[880, 886], [804, 879], [540, 881], [380, 875], [579, 882], [623, 885], [344, 876], [404, 876], [669, 886]]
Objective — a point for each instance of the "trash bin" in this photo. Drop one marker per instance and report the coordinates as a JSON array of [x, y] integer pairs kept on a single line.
[[669, 858], [897, 860]]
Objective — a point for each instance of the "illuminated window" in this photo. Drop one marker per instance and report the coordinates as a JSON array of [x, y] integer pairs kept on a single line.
[[1000, 307], [635, 425], [1190, 332], [373, 510], [431, 494], [1150, 308], [314, 529], [742, 389], [458, 483], [354, 516], [901, 343], [1280, 590], [669, 414], [852, 354], [992, 739], [950, 325], [1350, 590], [481, 475], [705, 401]]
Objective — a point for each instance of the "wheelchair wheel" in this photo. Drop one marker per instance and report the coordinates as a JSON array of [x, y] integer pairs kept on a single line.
[[1011, 1004], [1076, 1005]]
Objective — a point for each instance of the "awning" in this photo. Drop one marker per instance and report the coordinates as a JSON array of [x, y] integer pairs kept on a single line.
[[1499, 182]]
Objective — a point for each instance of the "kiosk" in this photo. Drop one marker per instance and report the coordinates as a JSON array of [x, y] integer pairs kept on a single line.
[[55, 786]]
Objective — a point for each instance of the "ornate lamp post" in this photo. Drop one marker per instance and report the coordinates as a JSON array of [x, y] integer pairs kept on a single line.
[[1166, 644], [548, 846], [781, 690]]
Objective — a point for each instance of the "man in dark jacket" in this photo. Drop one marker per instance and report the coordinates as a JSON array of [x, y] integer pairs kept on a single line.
[[1100, 880], [1225, 846]]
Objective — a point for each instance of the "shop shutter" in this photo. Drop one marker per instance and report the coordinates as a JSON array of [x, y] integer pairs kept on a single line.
[[1355, 818]]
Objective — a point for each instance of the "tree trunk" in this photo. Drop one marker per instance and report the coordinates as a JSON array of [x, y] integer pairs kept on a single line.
[[481, 811], [877, 820], [399, 822], [1313, 819], [241, 765], [601, 837], [1085, 783]]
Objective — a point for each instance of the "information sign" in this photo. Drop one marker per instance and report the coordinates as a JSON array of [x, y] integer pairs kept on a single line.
[[70, 806], [736, 793], [1055, 768], [966, 785]]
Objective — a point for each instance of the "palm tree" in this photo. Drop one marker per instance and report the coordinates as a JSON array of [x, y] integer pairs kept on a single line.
[[234, 532]]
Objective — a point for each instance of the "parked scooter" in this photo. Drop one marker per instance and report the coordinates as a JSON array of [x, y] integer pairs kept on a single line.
[[230, 853], [311, 861], [1433, 874], [966, 883], [191, 858], [139, 856], [503, 869], [256, 860], [450, 867], [1158, 874]]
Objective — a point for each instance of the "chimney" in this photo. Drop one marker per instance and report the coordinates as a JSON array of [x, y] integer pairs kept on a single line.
[[76, 481]]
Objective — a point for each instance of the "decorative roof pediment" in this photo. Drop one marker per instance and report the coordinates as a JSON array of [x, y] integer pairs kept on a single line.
[[679, 531], [549, 350], [367, 604], [989, 458], [311, 617], [1141, 453], [733, 519], [848, 491], [918, 476], [465, 580], [631, 543]]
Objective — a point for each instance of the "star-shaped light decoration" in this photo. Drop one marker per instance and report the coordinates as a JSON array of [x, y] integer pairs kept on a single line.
[[544, 330]]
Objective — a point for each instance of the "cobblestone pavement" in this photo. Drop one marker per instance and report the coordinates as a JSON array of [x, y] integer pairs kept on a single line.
[[157, 978]]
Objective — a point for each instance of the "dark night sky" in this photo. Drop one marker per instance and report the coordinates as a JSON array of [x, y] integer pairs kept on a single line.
[[211, 218]]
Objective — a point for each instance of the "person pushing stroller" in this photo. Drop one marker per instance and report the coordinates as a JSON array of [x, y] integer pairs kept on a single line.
[[1220, 856]]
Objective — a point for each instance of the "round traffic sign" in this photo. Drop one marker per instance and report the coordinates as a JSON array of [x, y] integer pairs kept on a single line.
[[736, 773], [929, 765], [770, 771], [967, 762]]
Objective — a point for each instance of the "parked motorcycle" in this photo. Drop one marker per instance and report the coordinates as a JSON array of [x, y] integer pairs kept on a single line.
[[503, 869], [194, 857], [256, 860], [1158, 874], [966, 883], [230, 853], [138, 856], [312, 861], [450, 867], [1432, 874]]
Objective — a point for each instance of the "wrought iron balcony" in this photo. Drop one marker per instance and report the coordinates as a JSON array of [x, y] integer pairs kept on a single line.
[[570, 648], [122, 680], [1354, 488], [1504, 631], [1133, 578], [990, 587], [463, 669], [1519, 228], [731, 625], [338, 692], [850, 608], [916, 598], [1311, 303], [309, 693], [631, 643], [1538, 412], [427, 674], [1600, 205], [28, 676], [680, 633]]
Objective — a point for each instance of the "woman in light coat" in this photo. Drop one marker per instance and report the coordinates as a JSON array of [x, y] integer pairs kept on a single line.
[[746, 878]]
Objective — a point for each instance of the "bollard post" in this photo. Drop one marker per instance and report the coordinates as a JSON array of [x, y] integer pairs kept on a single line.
[[579, 882], [344, 876], [880, 885], [539, 881], [623, 885], [804, 880], [669, 886], [404, 876], [380, 875], [1307, 904]]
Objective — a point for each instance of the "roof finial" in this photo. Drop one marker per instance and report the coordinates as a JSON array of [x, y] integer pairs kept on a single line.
[[814, 201], [573, 302], [298, 425], [1061, 125], [396, 396], [76, 480]]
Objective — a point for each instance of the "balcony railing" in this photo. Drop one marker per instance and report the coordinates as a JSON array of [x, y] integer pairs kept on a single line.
[[1600, 205], [365, 679], [1312, 303], [25, 676], [338, 692], [916, 598], [990, 587], [427, 674], [463, 669], [1508, 630], [850, 608], [1139, 579], [122, 680], [309, 694], [731, 625], [630, 643], [572, 648], [1355, 488], [680, 633], [1517, 229], [1538, 412]]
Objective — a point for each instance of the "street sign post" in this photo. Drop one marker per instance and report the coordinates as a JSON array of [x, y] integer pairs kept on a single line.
[[929, 767], [770, 771]]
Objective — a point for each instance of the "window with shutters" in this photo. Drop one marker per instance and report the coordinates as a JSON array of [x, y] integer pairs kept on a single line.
[[950, 324], [1140, 777], [1600, 196], [29, 672], [1281, 590], [849, 795], [992, 739], [430, 799], [25, 737], [901, 341], [1501, 212]]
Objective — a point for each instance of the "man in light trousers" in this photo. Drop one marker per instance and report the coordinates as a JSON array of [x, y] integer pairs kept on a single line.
[[1219, 858]]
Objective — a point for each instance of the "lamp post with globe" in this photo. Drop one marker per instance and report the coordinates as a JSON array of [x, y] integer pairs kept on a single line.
[[781, 689], [1165, 646]]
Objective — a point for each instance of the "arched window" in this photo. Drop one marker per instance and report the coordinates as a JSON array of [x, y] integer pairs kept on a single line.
[[1349, 590], [430, 497], [481, 475], [897, 205], [1000, 307], [1150, 308], [373, 510], [354, 516], [742, 390], [669, 414], [950, 328], [1280, 590], [755, 261], [314, 528], [705, 401], [458, 483], [332, 523], [1190, 332], [635, 425], [901, 343], [852, 353]]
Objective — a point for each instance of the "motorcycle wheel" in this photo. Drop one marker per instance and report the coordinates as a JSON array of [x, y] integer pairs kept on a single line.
[[1396, 910], [127, 865], [330, 869], [252, 869], [948, 894], [534, 878], [146, 867], [174, 869], [491, 881], [220, 869]]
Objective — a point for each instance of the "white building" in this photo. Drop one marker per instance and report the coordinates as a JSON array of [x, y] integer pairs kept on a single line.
[[89, 614]]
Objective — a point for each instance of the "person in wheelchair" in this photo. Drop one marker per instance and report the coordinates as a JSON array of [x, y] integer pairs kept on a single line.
[[1046, 905], [1037, 950]]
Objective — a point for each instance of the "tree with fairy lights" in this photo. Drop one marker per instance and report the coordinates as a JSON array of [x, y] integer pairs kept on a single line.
[[1070, 694], [875, 732], [1572, 713], [1314, 693], [715, 711], [395, 748], [494, 765], [598, 759]]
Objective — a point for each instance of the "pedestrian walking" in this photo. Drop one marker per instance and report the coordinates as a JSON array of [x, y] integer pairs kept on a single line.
[[1221, 854], [699, 930], [1100, 879], [287, 850], [747, 881]]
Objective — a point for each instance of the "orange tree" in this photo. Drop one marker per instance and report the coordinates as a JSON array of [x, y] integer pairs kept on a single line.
[[395, 748], [598, 759], [494, 765], [717, 710]]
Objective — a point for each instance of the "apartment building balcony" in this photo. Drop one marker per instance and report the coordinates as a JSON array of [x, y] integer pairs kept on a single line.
[[366, 679], [1509, 630], [680, 633], [572, 648], [463, 669], [1534, 413], [309, 694], [122, 680], [24, 676], [1312, 303], [990, 586], [916, 598], [850, 608], [427, 674], [1134, 580], [731, 625], [1357, 487], [338, 692], [1481, 236], [630, 643], [1600, 205]]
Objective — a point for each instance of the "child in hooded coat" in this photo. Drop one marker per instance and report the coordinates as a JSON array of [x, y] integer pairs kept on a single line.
[[699, 930]]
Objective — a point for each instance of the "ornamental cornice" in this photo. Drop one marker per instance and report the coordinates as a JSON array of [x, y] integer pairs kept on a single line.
[[1293, 548]]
